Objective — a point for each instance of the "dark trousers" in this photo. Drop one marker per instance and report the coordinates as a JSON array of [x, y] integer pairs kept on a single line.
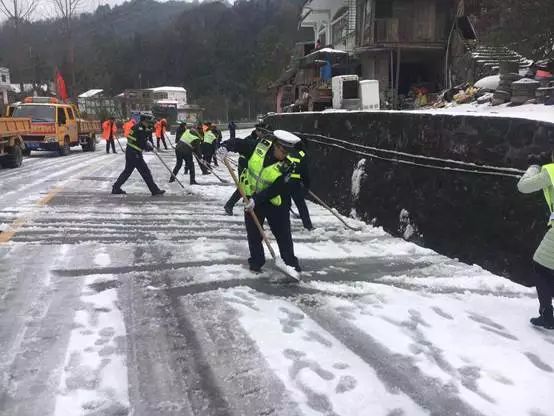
[[184, 154], [232, 134], [279, 222], [158, 142], [236, 195], [233, 200], [544, 282], [134, 160], [298, 195], [215, 147], [112, 141], [207, 152]]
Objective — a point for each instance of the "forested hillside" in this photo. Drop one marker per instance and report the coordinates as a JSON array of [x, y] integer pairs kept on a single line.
[[225, 55]]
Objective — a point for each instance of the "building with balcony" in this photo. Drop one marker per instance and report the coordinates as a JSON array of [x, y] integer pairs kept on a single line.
[[406, 44], [333, 22]]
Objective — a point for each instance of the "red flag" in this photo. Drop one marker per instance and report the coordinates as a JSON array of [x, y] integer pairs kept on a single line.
[[60, 86]]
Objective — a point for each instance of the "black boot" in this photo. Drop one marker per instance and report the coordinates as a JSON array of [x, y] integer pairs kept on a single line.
[[159, 192], [118, 191], [228, 210], [545, 320], [172, 179]]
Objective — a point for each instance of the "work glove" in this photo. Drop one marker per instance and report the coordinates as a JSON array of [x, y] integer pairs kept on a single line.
[[221, 152], [250, 205]]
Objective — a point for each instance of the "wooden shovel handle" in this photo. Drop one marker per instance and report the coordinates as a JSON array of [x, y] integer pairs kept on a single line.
[[252, 214]]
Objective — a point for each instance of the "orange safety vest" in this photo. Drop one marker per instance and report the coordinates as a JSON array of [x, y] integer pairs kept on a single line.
[[160, 127], [128, 126], [106, 129]]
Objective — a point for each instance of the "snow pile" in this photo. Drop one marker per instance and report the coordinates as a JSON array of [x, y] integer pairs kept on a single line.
[[358, 176], [535, 112], [489, 83]]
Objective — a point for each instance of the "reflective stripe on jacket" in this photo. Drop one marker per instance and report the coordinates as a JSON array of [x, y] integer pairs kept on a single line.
[[295, 159], [549, 191]]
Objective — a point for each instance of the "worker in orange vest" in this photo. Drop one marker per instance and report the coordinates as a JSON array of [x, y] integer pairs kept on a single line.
[[128, 126], [109, 130], [160, 128]]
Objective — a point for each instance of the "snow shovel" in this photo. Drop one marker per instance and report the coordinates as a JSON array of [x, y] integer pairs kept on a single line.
[[203, 163], [318, 199], [279, 264], [167, 167], [119, 143], [169, 141]]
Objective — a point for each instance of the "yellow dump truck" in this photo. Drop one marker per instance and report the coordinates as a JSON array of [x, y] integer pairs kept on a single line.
[[11, 142], [56, 126]]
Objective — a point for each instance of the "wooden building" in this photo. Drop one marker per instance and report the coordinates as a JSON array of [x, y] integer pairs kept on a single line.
[[406, 43]]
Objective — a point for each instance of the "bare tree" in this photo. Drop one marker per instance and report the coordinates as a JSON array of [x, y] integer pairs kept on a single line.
[[18, 10], [67, 10]]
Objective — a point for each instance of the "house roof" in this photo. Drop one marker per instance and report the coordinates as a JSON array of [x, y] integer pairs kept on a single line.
[[90, 93], [167, 102], [168, 89]]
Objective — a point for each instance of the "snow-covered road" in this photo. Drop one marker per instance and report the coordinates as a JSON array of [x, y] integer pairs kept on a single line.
[[133, 305]]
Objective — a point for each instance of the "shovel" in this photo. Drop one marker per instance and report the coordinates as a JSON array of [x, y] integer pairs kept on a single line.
[[168, 169], [202, 163], [279, 264], [318, 199]]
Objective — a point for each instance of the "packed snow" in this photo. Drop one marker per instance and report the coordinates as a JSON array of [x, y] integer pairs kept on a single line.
[[133, 305]]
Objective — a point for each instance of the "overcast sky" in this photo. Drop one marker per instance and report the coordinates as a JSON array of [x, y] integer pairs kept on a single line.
[[46, 9]]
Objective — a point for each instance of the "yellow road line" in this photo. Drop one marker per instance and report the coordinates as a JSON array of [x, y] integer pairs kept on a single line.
[[49, 196], [6, 236]]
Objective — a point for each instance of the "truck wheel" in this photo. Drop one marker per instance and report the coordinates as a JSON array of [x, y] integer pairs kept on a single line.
[[26, 152], [14, 159], [92, 143], [65, 149]]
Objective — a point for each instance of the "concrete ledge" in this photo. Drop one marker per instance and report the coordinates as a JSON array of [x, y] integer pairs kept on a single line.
[[471, 211]]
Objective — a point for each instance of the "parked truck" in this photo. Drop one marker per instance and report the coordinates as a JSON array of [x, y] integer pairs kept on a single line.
[[11, 143], [56, 126]]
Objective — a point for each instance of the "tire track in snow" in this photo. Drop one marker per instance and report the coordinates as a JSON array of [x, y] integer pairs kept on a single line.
[[396, 371]]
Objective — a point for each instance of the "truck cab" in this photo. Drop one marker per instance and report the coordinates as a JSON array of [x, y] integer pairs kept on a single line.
[[55, 126]]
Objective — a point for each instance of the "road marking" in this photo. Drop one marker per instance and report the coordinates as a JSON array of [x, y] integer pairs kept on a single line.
[[6, 236], [49, 196]]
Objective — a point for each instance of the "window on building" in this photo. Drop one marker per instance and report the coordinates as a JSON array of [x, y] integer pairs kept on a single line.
[[4, 78], [383, 9]]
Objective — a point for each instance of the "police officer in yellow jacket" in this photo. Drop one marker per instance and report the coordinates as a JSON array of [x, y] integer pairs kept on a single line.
[[137, 141], [539, 178], [187, 144], [300, 183], [265, 182]]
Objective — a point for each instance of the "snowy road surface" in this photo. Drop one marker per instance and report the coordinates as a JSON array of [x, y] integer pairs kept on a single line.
[[133, 305]]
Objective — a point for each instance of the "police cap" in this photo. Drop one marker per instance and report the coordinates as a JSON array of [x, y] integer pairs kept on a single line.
[[286, 139]]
